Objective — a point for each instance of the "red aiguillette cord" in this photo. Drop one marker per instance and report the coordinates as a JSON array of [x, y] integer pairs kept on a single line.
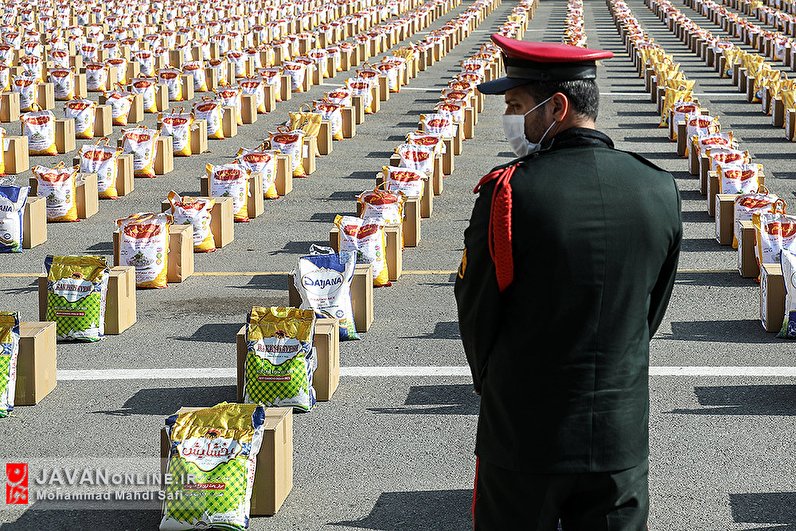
[[500, 224]]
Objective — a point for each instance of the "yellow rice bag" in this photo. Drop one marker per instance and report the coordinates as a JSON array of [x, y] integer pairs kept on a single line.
[[368, 241], [142, 143], [83, 112], [775, 231], [212, 112], [25, 86], [362, 87], [144, 244], [101, 159], [382, 205], [120, 102], [59, 187], [177, 125], [231, 97], [332, 113], [63, 80], [196, 70], [197, 213], [254, 87], [120, 65], [261, 161], [146, 87], [290, 143], [739, 178], [406, 180], [5, 78], [39, 127], [171, 78], [231, 180], [305, 120], [97, 77]]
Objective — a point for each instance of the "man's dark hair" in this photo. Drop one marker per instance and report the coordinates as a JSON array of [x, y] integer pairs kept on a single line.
[[583, 94]]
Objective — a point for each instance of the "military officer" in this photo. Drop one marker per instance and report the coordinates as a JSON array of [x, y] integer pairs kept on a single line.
[[569, 262]]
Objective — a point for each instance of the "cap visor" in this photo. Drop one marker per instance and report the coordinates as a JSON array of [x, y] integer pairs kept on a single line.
[[501, 85]]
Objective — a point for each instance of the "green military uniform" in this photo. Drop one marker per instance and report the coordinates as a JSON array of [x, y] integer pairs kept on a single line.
[[560, 356]]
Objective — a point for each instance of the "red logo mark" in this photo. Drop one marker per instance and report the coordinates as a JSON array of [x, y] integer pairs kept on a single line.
[[16, 483]]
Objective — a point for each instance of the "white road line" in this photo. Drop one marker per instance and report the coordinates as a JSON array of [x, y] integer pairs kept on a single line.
[[371, 372]]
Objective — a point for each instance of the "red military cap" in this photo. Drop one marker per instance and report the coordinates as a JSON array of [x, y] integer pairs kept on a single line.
[[527, 62]]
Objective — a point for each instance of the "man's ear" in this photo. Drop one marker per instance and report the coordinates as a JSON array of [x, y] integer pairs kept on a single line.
[[560, 106]]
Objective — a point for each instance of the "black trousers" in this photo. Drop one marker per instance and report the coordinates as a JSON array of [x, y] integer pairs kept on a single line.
[[505, 500]]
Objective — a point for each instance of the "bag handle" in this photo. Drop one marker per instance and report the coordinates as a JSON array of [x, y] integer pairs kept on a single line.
[[779, 207]]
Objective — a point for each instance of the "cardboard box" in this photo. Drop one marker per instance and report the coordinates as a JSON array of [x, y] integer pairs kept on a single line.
[[161, 97], [438, 176], [16, 157], [136, 113], [394, 250], [309, 152], [747, 261], [187, 87], [725, 214], [248, 108], [411, 223], [103, 121], [120, 304], [713, 187], [349, 122], [65, 135], [324, 140], [9, 107], [327, 346], [181, 260], [777, 112], [256, 200], [34, 222], [199, 137], [273, 475], [681, 137], [164, 155], [229, 122], [284, 174], [772, 297], [87, 195], [222, 219], [384, 88], [45, 96], [285, 88], [362, 297], [270, 98], [36, 376], [358, 105], [125, 175], [470, 119]]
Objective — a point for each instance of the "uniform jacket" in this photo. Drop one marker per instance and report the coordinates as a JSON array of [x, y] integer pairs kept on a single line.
[[560, 357]]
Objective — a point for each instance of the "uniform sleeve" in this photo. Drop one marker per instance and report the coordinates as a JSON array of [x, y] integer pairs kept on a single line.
[[662, 292], [476, 290]]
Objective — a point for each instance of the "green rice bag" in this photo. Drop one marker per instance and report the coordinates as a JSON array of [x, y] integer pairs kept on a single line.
[[280, 359], [76, 290], [9, 349], [212, 458]]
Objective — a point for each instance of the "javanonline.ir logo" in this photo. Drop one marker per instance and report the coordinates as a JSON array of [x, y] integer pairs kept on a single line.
[[16, 483]]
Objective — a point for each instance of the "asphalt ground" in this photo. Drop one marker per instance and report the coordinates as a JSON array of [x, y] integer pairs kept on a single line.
[[396, 452]]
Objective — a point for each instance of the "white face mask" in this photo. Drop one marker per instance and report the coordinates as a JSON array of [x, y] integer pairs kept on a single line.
[[514, 128]]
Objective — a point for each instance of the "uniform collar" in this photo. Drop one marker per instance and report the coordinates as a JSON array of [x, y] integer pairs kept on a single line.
[[579, 137]]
